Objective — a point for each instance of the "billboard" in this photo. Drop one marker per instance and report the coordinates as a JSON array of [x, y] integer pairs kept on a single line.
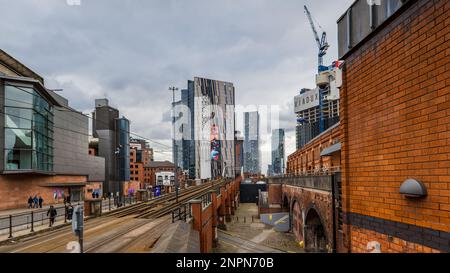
[[215, 144], [157, 191]]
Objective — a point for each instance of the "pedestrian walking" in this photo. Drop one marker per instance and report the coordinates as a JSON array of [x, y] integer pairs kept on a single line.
[[69, 212], [30, 202], [35, 202], [52, 215], [41, 201]]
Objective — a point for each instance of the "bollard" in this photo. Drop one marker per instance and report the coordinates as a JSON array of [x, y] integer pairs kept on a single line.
[[10, 226], [245, 219], [32, 221], [65, 214], [109, 203]]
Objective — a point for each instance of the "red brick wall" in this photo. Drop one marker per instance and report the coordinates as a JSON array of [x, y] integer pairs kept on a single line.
[[361, 237], [297, 221], [275, 194], [15, 189], [307, 159], [301, 200], [90, 187], [395, 117]]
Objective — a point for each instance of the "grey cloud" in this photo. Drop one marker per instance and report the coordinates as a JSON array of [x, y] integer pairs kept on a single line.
[[132, 51]]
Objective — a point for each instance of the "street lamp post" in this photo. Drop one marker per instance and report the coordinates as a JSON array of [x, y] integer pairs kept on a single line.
[[120, 186], [174, 145]]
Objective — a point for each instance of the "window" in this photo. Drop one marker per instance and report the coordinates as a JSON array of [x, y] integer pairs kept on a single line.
[[28, 130]]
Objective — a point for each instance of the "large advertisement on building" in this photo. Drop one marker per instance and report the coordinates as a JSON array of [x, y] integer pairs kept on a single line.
[[215, 143], [216, 156]]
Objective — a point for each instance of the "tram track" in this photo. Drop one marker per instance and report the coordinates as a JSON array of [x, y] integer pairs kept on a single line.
[[135, 228]]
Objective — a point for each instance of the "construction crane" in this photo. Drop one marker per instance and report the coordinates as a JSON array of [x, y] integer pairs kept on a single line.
[[321, 42], [323, 46]]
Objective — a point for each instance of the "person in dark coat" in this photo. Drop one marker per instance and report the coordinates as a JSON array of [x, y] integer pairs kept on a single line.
[[41, 201], [69, 212], [35, 202], [30, 202], [52, 215]]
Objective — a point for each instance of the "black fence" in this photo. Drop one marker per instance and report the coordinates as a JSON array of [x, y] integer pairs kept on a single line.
[[29, 220], [182, 213]]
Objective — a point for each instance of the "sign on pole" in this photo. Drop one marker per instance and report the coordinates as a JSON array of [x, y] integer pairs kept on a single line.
[[78, 224]]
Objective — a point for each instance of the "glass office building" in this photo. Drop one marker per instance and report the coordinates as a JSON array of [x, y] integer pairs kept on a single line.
[[28, 130], [251, 143], [278, 153], [123, 159]]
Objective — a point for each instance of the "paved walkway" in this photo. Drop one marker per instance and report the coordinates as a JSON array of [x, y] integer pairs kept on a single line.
[[22, 218], [233, 244], [247, 234]]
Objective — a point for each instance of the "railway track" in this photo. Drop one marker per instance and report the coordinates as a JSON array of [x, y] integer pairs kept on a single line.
[[164, 205], [131, 229], [168, 207]]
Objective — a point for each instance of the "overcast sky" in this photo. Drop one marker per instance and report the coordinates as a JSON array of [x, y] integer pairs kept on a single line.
[[132, 51]]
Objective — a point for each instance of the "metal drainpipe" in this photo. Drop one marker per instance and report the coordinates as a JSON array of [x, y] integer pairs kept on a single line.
[[333, 205], [349, 28], [372, 16]]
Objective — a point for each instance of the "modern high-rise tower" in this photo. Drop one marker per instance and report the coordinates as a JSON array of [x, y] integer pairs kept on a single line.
[[251, 143], [205, 129], [113, 134], [278, 152]]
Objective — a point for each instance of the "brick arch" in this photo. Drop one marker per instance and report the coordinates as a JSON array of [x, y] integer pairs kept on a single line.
[[288, 198], [315, 229], [296, 218]]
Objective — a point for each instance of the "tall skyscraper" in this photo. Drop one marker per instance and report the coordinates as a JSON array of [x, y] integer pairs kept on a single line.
[[278, 152], [251, 143], [185, 131], [205, 129], [239, 153], [113, 135]]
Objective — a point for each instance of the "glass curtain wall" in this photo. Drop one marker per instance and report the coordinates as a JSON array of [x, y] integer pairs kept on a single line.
[[28, 130]]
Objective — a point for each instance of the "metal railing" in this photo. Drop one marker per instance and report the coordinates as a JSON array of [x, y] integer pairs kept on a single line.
[[30, 219], [10, 224], [318, 182], [206, 200], [112, 203], [218, 193], [182, 213], [322, 171]]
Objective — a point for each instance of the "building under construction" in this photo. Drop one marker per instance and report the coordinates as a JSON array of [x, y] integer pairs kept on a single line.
[[318, 109], [318, 105]]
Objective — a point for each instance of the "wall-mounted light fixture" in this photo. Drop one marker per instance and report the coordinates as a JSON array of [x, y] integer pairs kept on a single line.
[[413, 189]]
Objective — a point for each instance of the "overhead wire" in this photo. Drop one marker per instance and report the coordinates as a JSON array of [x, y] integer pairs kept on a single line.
[[94, 119]]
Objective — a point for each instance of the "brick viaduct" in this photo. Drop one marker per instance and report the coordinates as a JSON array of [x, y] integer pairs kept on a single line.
[[212, 211], [309, 201]]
